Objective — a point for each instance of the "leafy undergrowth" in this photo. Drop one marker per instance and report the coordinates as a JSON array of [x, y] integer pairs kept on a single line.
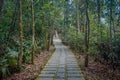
[[97, 71], [31, 71]]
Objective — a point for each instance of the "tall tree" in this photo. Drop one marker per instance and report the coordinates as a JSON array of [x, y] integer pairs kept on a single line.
[[87, 33], [20, 56], [111, 28], [77, 15], [1, 6], [33, 31], [111, 18], [99, 22]]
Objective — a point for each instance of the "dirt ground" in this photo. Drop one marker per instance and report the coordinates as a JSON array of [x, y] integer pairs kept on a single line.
[[96, 70]]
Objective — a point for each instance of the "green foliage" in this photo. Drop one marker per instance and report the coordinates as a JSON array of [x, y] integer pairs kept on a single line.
[[3, 67], [116, 50], [74, 39], [27, 50], [8, 63]]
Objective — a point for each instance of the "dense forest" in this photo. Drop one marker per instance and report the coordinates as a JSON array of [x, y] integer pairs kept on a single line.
[[89, 27]]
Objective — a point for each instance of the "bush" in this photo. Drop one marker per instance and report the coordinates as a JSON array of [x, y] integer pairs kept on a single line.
[[107, 53], [8, 64]]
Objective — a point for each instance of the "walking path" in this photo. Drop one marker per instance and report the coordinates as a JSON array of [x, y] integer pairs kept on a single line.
[[62, 65]]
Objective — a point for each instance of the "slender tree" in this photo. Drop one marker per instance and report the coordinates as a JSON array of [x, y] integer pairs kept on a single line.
[[87, 33], [111, 19], [99, 22], [1, 6], [33, 31], [111, 29], [20, 36], [77, 15]]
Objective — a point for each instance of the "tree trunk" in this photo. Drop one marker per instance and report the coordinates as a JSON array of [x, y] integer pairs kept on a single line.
[[77, 16], [1, 6], [99, 24], [47, 41], [110, 20], [20, 57], [33, 32], [52, 34], [111, 33], [87, 33]]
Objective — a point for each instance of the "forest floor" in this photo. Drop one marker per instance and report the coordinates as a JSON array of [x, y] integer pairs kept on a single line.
[[96, 70], [31, 71]]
